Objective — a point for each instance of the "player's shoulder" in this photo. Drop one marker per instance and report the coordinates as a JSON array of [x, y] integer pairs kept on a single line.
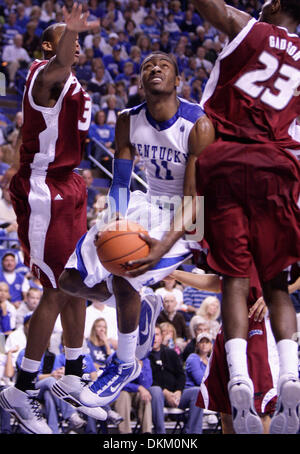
[[123, 120], [190, 111], [129, 111], [37, 64]]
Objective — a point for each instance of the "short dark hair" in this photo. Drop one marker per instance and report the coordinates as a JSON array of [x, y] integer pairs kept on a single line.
[[169, 57], [48, 33], [292, 8]]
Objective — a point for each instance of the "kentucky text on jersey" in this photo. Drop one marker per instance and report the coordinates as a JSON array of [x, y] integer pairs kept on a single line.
[[163, 145], [162, 153], [283, 44]]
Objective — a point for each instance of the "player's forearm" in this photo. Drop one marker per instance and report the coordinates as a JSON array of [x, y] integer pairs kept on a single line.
[[224, 17], [207, 282], [65, 49]]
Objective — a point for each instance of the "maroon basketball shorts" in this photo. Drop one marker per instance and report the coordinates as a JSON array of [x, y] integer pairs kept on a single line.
[[51, 215], [251, 213], [263, 367]]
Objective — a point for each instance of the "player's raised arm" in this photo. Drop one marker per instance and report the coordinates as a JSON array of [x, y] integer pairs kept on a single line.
[[61, 47], [224, 17]]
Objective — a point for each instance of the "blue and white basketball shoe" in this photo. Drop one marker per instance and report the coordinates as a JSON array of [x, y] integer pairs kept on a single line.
[[150, 309], [110, 383]]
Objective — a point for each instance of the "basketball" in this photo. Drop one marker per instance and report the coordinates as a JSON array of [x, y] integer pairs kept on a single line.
[[118, 243]]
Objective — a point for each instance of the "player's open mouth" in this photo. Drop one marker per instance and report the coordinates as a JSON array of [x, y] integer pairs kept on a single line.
[[155, 79]]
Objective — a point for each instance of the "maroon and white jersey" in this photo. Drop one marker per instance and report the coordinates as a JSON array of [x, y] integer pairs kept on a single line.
[[53, 137], [253, 93]]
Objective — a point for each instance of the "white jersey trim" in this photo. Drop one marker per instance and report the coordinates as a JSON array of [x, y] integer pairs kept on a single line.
[[49, 110], [227, 50]]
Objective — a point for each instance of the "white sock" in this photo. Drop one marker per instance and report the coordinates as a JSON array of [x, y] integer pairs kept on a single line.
[[127, 346], [72, 353], [30, 365], [236, 354], [288, 357]]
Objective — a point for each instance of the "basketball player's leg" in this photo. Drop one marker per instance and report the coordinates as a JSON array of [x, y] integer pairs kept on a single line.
[[227, 230], [284, 326], [21, 396], [70, 282]]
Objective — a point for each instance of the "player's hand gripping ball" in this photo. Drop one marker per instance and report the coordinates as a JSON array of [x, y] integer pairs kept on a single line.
[[118, 243]]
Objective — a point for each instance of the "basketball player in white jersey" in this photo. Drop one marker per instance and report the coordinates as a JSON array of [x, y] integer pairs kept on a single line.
[[169, 134]]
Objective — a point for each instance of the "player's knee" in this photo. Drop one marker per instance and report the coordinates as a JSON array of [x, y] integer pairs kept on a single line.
[[68, 282], [279, 282], [122, 288]]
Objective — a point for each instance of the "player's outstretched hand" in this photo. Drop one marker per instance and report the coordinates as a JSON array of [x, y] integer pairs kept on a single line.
[[258, 310], [155, 254], [76, 20]]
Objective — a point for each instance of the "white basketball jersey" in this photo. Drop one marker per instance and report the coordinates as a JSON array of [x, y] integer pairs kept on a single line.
[[163, 146]]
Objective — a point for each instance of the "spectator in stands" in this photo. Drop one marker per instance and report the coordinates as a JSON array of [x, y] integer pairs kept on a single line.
[[171, 315], [201, 59], [131, 30], [16, 340], [197, 325], [169, 286], [136, 99], [22, 19], [187, 25], [29, 304], [185, 93], [144, 43], [98, 344], [197, 361], [199, 39], [100, 310], [103, 133], [165, 45], [83, 68], [10, 29], [111, 110], [98, 206], [7, 310], [168, 388], [169, 336], [48, 13], [87, 175], [18, 284], [35, 15], [127, 75], [211, 53], [197, 91], [8, 235], [171, 26], [138, 12], [13, 130], [135, 395], [210, 309], [149, 27], [15, 55], [7, 214], [121, 94], [113, 62], [112, 89], [98, 83]]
